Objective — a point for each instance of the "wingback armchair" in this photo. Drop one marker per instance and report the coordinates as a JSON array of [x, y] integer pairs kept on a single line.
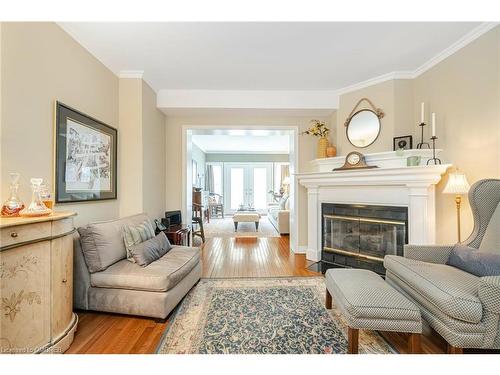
[[461, 307]]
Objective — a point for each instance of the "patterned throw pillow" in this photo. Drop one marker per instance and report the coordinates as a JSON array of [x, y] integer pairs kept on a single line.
[[135, 234]]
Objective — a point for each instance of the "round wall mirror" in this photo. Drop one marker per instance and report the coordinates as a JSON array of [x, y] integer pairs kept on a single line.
[[363, 128]]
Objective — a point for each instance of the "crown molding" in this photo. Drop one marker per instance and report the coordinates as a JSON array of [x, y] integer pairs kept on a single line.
[[455, 47], [131, 74], [376, 80]]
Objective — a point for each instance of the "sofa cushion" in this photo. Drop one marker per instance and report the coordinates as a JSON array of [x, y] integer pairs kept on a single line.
[[491, 239], [159, 276], [102, 243], [476, 262], [453, 291], [150, 250], [135, 234]]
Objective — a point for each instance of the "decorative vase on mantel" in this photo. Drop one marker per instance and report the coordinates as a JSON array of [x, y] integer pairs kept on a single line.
[[322, 146], [320, 130], [331, 151]]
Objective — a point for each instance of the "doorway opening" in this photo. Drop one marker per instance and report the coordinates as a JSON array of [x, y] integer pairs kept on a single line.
[[240, 181]]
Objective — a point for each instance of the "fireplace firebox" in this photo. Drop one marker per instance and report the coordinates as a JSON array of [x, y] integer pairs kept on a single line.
[[359, 236]]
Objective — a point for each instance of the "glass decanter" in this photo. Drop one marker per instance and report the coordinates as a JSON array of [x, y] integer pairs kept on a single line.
[[36, 207], [13, 205]]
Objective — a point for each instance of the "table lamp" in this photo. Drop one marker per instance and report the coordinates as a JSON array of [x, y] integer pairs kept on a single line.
[[457, 184]]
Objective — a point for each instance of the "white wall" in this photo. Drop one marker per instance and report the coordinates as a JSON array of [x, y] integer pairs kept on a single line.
[[464, 91], [42, 64], [306, 152], [200, 157], [130, 143], [143, 150], [153, 161]]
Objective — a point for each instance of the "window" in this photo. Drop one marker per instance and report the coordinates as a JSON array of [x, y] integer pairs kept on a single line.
[[217, 176]]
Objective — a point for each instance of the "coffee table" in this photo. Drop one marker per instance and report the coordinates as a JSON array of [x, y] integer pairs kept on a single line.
[[246, 217]]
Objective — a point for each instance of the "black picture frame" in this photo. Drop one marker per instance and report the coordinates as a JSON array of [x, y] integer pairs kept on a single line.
[[406, 138], [89, 160]]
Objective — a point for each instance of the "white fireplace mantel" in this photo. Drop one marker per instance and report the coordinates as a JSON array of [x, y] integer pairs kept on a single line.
[[388, 185]]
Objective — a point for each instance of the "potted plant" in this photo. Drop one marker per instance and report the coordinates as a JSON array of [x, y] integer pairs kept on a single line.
[[320, 130]]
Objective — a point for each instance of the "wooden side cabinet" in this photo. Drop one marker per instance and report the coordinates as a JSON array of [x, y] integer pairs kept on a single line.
[[36, 284]]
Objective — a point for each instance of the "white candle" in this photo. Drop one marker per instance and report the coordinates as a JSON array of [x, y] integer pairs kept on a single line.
[[433, 124], [422, 113]]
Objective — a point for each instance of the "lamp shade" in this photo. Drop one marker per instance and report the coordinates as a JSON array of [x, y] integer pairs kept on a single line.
[[457, 184], [286, 181]]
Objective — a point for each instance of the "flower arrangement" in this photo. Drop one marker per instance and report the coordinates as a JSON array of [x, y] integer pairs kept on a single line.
[[317, 129]]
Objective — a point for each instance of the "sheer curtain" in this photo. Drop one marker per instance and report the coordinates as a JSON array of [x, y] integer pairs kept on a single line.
[[209, 179], [285, 172]]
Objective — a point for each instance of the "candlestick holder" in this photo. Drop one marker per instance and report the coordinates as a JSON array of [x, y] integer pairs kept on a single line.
[[435, 160], [422, 143]]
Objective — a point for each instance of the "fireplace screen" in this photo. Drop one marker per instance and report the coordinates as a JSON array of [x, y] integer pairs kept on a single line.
[[366, 233]]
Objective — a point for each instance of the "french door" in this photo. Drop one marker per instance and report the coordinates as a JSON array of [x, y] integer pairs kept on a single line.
[[247, 184]]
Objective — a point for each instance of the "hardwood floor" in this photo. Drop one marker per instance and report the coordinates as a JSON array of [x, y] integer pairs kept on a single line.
[[222, 258], [252, 257]]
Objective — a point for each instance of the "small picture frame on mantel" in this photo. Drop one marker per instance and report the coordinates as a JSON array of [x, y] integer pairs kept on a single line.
[[403, 142]]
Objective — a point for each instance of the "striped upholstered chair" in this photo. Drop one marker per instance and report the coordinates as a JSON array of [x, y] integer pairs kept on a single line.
[[461, 307]]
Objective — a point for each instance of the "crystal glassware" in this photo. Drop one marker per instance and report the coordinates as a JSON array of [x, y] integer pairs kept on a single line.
[[46, 196], [13, 205], [36, 207]]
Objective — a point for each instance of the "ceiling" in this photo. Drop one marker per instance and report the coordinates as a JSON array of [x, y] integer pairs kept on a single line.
[[242, 142], [265, 56]]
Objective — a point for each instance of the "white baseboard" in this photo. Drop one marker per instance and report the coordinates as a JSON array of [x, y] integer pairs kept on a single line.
[[313, 255], [301, 250]]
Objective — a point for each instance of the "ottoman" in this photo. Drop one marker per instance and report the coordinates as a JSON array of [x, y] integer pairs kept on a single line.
[[246, 217], [367, 302]]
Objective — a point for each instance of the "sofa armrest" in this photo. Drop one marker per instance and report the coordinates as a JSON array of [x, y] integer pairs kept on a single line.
[[81, 276], [283, 215], [489, 293], [428, 253]]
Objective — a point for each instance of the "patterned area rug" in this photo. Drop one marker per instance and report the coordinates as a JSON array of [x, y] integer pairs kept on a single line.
[[224, 228], [261, 316]]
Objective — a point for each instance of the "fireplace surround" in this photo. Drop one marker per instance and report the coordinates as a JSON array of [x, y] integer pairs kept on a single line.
[[391, 184], [360, 236]]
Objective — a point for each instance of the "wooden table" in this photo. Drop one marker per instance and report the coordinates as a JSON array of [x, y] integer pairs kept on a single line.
[[179, 234]]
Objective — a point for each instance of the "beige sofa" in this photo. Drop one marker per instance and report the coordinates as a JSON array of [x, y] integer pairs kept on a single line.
[[104, 280], [279, 215]]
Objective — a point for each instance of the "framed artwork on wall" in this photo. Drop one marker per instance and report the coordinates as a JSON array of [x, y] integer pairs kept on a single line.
[[404, 142], [85, 157]]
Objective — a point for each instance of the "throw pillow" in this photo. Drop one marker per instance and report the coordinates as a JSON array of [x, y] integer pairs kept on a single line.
[[135, 234], [148, 251], [476, 262]]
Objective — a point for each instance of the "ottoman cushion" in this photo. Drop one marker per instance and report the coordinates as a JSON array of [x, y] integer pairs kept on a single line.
[[368, 302], [246, 217]]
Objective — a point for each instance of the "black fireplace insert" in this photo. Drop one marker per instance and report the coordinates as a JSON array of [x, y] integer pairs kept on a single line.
[[359, 236]]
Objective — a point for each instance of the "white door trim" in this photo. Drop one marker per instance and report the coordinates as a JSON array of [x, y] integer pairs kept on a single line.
[[293, 132]]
